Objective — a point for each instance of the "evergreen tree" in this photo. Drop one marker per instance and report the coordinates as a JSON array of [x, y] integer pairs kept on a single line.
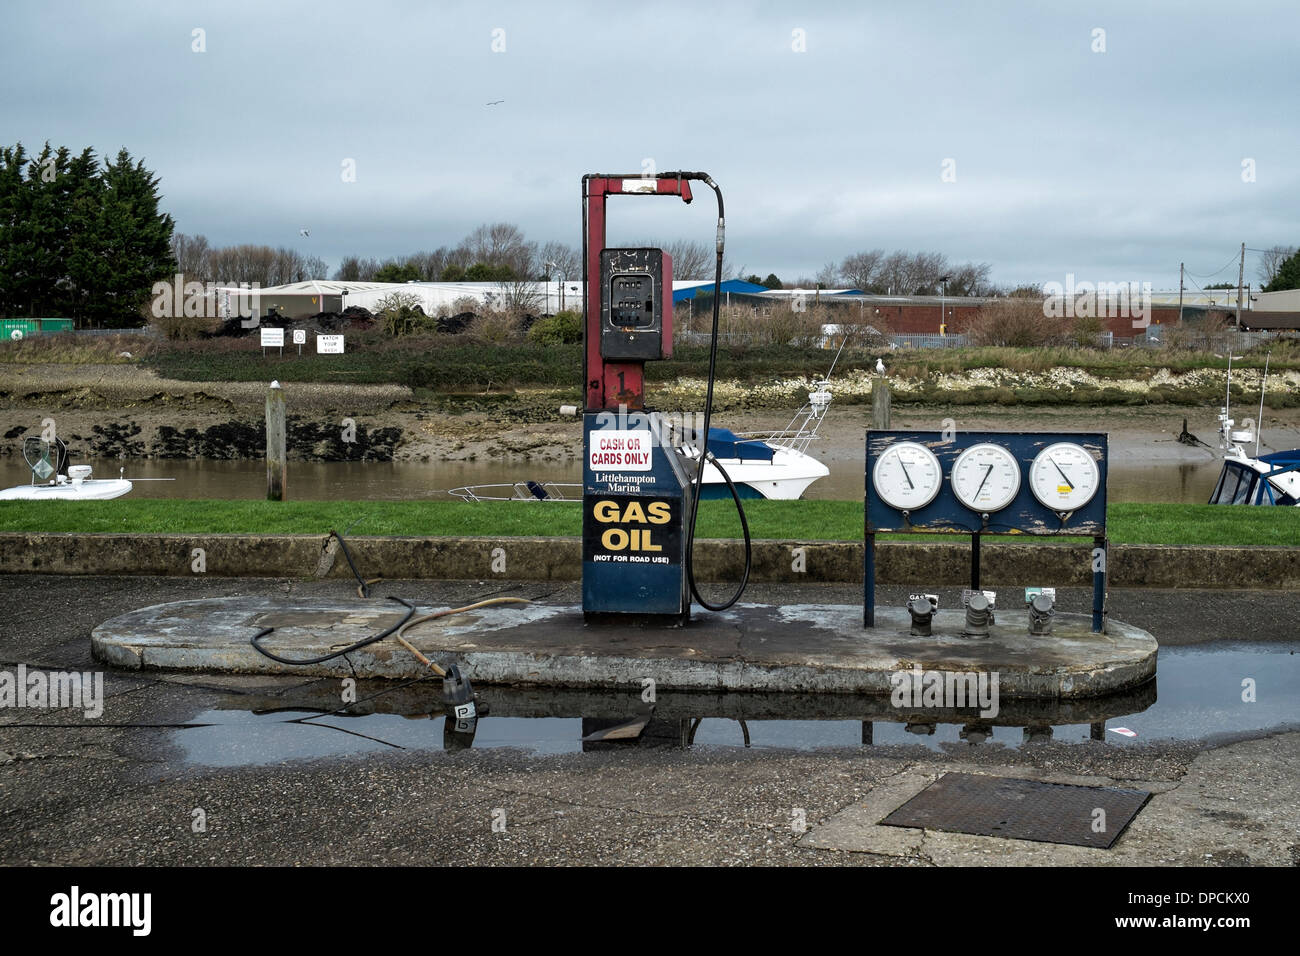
[[1288, 275], [398, 272], [78, 240], [15, 205], [131, 243], [83, 195]]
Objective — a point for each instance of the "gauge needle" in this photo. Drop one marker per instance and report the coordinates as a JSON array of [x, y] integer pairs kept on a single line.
[[903, 465], [1058, 468], [988, 472]]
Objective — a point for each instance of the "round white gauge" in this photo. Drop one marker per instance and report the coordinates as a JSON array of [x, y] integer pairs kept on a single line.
[[986, 477], [907, 476], [1064, 477]]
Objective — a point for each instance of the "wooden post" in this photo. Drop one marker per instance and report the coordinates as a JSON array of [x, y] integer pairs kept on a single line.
[[275, 443], [879, 403]]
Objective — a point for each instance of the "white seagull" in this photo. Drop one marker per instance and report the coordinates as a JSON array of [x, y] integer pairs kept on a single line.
[[304, 232], [880, 366]]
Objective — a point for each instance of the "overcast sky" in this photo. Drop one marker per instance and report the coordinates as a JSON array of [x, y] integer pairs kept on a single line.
[[826, 125]]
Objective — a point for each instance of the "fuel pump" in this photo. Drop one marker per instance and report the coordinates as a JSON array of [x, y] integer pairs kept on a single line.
[[640, 488]]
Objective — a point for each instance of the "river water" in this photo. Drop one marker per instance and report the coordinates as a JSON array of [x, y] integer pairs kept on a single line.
[[1190, 482]]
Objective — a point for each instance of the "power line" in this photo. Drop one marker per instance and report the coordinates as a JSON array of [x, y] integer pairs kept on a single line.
[[1211, 275]]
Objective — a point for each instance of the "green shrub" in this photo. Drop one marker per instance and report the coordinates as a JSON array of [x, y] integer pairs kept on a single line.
[[399, 314], [562, 328]]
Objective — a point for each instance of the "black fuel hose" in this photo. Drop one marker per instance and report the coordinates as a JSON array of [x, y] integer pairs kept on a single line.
[[703, 441], [364, 642]]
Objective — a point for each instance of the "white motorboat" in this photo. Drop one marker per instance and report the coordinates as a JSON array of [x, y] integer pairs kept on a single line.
[[775, 465], [1272, 479], [53, 479]]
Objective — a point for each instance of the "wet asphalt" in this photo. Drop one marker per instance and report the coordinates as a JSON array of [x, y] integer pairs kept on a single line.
[[78, 791]]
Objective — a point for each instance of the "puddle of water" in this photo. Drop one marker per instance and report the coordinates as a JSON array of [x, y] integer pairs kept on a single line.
[[242, 738], [1201, 693], [1200, 696]]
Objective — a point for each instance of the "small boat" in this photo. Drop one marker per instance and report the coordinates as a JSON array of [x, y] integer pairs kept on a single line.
[[521, 491], [1272, 479], [775, 465], [53, 479]]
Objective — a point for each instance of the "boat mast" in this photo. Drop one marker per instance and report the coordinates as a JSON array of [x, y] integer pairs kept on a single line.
[[1259, 422], [1227, 391]]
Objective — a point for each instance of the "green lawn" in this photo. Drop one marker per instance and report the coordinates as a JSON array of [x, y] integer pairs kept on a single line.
[[797, 520]]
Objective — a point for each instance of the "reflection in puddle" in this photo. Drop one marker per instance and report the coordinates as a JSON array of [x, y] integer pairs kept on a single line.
[[1203, 693]]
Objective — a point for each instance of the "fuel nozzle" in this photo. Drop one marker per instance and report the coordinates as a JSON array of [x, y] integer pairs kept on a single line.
[[1040, 614], [461, 703], [922, 609], [979, 614]]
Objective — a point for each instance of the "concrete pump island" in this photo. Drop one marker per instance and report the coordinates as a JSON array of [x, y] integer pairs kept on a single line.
[[643, 616]]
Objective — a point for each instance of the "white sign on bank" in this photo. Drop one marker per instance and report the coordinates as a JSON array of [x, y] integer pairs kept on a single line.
[[626, 450]]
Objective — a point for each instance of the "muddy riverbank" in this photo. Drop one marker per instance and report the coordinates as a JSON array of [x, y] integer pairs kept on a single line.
[[127, 412]]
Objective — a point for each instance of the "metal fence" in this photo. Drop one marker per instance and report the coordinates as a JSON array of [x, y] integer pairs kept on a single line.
[[1194, 339], [926, 341]]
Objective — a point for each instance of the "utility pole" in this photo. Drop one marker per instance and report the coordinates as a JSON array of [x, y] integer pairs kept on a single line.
[[1241, 272], [1180, 293]]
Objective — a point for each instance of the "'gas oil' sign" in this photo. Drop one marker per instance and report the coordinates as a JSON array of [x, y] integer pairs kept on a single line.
[[624, 530]]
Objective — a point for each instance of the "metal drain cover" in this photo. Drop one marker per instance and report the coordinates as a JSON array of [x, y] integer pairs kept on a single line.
[[1021, 810]]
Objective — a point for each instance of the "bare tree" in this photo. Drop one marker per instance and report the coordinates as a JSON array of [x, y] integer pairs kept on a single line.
[[557, 260], [859, 270], [971, 278], [263, 265], [899, 274], [356, 269], [431, 265], [518, 298], [691, 260], [243, 263], [829, 276], [314, 267], [191, 254], [1270, 260], [502, 244]]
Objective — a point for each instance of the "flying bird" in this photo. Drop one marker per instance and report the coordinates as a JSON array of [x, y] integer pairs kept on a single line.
[[495, 102], [880, 366], [304, 232]]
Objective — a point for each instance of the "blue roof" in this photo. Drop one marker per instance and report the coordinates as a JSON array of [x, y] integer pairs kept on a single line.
[[728, 285]]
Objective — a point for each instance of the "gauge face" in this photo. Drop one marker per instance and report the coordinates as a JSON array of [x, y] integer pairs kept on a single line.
[[986, 477], [907, 476], [1064, 477]]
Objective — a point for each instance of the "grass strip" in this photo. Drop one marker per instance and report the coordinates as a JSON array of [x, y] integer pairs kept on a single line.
[[1129, 522]]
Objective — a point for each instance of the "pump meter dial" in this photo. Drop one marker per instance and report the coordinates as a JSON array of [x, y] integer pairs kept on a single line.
[[1064, 476], [907, 476], [986, 477]]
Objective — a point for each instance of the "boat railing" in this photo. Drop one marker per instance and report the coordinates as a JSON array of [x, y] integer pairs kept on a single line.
[[801, 431], [47, 459], [519, 491]]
